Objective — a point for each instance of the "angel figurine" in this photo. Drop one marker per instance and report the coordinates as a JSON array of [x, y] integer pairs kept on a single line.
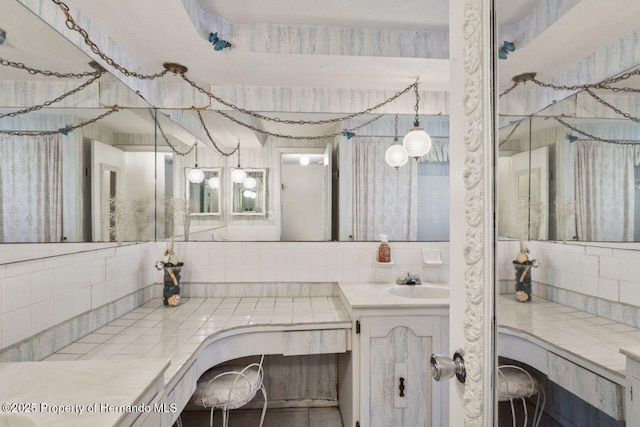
[[523, 266]]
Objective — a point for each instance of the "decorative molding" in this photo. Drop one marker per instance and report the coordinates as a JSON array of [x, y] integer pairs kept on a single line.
[[477, 202]]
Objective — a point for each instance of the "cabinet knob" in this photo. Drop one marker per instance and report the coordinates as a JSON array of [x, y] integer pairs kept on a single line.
[[401, 387], [444, 367]]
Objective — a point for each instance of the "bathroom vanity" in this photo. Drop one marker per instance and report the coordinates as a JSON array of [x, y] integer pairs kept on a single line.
[[386, 379]]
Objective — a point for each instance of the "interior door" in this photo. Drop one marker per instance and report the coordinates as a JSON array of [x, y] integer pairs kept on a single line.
[[472, 60]]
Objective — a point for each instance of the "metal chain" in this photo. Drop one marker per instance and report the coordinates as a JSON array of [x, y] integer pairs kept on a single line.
[[195, 145], [71, 24], [614, 108], [34, 71], [53, 101], [65, 130], [416, 122], [296, 122], [174, 149], [222, 153], [238, 150], [515, 84], [588, 135], [308, 138], [510, 133], [395, 130]]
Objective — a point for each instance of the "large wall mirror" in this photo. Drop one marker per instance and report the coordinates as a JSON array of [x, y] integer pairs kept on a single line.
[[567, 173], [78, 171], [321, 189]]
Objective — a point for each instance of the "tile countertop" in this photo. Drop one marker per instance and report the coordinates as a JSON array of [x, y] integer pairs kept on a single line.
[[90, 393], [376, 295], [582, 334]]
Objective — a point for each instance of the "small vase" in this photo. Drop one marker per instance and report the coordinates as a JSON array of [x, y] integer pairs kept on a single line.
[[171, 290]]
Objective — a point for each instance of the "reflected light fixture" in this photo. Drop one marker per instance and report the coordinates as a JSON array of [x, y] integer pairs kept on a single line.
[[250, 183], [214, 182], [304, 160], [417, 142], [196, 176], [238, 175], [396, 155]]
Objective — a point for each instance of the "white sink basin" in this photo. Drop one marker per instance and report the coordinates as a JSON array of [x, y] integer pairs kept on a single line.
[[419, 291], [16, 420]]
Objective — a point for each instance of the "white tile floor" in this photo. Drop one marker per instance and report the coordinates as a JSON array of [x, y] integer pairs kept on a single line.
[[287, 417]]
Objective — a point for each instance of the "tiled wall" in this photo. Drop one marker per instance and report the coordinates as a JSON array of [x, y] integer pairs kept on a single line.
[[600, 280], [218, 262], [35, 295], [47, 303]]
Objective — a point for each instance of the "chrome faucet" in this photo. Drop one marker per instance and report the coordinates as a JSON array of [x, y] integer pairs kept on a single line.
[[408, 279]]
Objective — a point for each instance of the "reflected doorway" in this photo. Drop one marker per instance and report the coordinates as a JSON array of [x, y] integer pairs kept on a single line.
[[305, 195]]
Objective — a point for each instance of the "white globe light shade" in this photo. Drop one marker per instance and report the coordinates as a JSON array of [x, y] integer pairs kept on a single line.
[[417, 142], [247, 194], [238, 176], [254, 194], [214, 182], [396, 155], [250, 183], [304, 160], [196, 176]]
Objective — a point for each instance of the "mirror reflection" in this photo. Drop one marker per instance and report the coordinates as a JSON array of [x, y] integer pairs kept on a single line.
[[249, 195], [204, 196], [318, 189]]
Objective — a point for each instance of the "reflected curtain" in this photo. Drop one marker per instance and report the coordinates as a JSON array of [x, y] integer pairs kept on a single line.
[[384, 199], [604, 187], [30, 189]]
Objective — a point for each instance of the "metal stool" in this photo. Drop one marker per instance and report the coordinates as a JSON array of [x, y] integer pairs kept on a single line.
[[516, 383], [230, 387]]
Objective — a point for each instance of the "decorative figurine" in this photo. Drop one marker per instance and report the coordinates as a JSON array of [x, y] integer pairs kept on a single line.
[[523, 266], [171, 267]]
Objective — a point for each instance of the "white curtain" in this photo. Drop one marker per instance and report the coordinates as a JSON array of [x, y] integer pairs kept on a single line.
[[604, 187], [30, 189], [384, 199]]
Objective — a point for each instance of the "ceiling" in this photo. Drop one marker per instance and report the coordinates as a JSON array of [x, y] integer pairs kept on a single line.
[[152, 32]]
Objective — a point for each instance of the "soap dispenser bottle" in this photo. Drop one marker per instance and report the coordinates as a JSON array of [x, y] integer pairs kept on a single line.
[[384, 251]]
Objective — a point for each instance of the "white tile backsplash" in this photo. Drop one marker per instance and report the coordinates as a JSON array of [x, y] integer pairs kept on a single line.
[[16, 292], [16, 326]]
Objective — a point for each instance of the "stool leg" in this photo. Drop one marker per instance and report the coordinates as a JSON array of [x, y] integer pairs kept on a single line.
[[264, 407], [513, 412], [526, 415], [211, 417]]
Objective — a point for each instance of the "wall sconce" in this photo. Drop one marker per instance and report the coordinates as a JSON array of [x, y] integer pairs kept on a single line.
[[417, 142], [196, 176], [396, 155], [239, 175]]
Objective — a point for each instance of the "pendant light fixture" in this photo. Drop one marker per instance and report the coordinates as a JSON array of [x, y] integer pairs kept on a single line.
[[196, 176], [304, 160], [250, 183], [238, 175], [417, 142], [214, 182], [396, 155]]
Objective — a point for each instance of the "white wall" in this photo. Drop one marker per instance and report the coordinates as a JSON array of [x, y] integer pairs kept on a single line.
[[302, 202]]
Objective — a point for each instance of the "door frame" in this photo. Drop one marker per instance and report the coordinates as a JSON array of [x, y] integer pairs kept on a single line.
[[472, 59]]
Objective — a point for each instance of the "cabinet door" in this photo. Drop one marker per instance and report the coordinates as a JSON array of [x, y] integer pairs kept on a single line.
[[395, 348]]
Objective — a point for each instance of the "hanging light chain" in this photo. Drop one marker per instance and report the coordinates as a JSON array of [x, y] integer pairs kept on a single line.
[[510, 133], [513, 86], [195, 146], [53, 101], [63, 130], [416, 122], [614, 108], [296, 122], [395, 130], [590, 136], [34, 71], [238, 150], [307, 138], [222, 153], [72, 25], [173, 148]]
